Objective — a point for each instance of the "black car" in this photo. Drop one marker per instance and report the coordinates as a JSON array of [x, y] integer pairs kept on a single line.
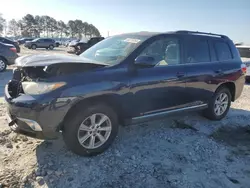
[[8, 55], [124, 79], [8, 41], [41, 43], [78, 47], [23, 40]]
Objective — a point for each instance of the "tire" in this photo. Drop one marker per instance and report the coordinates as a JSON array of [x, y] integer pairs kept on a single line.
[[247, 79], [51, 47], [3, 64], [210, 112], [71, 133], [33, 47]]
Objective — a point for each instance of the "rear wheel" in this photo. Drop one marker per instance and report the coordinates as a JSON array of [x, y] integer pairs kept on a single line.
[[90, 131], [33, 46], [3, 64], [51, 47], [219, 104]]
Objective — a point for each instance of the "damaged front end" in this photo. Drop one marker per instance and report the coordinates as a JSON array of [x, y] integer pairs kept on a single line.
[[42, 74]]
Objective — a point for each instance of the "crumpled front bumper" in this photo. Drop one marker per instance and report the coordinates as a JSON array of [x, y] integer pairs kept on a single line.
[[24, 116]]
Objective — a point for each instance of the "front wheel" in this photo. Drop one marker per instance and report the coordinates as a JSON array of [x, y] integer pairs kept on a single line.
[[91, 131], [219, 104], [33, 46]]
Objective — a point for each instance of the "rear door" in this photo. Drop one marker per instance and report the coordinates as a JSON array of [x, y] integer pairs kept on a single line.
[[203, 69]]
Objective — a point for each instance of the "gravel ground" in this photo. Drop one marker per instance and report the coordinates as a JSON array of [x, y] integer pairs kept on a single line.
[[176, 152]]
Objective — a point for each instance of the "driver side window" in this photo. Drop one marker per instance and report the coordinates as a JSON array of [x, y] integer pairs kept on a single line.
[[165, 52]]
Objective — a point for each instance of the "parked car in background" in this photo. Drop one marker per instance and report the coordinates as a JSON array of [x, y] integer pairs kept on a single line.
[[80, 46], [245, 57], [152, 75], [8, 55], [8, 41], [23, 40], [41, 43]]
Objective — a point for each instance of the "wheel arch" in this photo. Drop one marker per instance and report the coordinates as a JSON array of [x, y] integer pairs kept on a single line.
[[231, 86], [4, 59], [109, 100]]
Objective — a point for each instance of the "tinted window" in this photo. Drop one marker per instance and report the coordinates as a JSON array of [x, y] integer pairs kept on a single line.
[[198, 51], [165, 52], [47, 40], [223, 51], [244, 52]]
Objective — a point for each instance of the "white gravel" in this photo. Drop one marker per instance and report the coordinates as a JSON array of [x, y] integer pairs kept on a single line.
[[176, 152]]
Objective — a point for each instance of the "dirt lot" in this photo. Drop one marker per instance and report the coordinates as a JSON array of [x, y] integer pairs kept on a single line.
[[176, 152]]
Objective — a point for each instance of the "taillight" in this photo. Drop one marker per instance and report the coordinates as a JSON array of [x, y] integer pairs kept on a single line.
[[244, 68], [13, 49]]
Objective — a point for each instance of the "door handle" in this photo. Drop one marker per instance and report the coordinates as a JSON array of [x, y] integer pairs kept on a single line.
[[180, 74], [218, 71]]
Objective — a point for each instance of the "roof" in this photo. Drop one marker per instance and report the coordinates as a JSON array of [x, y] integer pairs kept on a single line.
[[185, 32]]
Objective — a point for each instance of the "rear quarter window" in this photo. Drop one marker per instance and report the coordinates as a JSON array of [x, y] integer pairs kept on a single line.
[[198, 51], [223, 51]]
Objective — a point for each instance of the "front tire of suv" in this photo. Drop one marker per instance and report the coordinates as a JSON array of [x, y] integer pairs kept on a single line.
[[219, 105], [91, 131], [51, 47], [33, 46]]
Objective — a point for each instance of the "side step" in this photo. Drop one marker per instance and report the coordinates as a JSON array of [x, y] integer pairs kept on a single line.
[[162, 114]]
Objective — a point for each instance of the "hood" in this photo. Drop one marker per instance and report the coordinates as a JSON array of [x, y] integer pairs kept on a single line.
[[46, 59], [109, 52]]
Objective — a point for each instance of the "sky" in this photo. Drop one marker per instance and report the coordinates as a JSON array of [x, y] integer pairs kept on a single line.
[[229, 17]]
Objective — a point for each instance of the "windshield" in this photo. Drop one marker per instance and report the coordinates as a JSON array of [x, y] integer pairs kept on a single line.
[[244, 52], [114, 49], [35, 40]]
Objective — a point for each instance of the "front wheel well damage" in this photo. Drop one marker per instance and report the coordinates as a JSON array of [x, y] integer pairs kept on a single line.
[[231, 87], [82, 104]]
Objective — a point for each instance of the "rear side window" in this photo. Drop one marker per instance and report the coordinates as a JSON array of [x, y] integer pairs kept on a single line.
[[223, 51], [198, 51]]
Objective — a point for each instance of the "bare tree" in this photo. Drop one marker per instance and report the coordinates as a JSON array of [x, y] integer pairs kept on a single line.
[[13, 28], [2, 23]]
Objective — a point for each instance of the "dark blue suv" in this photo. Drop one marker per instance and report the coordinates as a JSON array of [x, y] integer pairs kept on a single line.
[[123, 79]]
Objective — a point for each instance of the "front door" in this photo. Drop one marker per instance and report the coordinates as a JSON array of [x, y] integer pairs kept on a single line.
[[160, 87]]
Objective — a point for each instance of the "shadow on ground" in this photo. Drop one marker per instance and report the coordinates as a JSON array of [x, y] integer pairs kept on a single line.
[[156, 148]]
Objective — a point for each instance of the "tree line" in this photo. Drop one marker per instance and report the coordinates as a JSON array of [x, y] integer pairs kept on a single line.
[[46, 26]]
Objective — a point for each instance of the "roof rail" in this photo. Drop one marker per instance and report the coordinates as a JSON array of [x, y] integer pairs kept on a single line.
[[201, 33]]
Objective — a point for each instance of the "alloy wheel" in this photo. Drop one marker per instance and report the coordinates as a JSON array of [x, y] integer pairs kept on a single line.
[[2, 65], [94, 131], [221, 104]]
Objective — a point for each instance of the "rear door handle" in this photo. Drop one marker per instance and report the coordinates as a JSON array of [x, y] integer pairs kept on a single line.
[[180, 74], [218, 71]]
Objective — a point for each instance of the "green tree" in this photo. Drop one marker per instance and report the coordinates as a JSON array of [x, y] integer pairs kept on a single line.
[[72, 28]]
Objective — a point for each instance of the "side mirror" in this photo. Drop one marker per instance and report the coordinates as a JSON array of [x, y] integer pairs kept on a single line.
[[145, 61]]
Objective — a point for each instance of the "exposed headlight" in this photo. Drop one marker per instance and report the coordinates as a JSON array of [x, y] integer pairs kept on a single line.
[[37, 88]]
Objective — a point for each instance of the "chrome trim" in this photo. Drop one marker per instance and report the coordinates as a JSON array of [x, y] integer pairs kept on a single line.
[[31, 123], [147, 116]]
